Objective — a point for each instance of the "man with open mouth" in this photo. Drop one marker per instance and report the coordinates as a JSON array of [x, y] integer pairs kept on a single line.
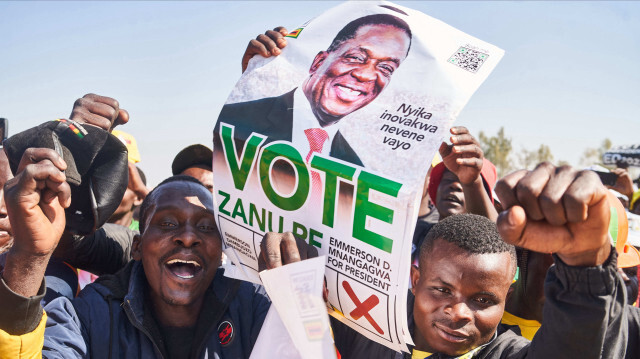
[[171, 301]]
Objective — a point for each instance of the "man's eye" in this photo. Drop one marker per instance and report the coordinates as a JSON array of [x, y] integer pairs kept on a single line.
[[167, 224], [206, 228], [484, 301], [442, 290], [354, 58], [387, 70]]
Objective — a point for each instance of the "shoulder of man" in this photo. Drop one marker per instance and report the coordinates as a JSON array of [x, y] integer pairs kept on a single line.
[[509, 343]]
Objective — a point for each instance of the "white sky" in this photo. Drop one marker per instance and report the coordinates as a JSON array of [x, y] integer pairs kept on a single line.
[[569, 78]]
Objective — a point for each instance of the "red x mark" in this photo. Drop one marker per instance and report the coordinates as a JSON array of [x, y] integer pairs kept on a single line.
[[362, 309]]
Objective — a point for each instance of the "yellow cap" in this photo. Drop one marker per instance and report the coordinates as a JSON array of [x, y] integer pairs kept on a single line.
[[130, 142]]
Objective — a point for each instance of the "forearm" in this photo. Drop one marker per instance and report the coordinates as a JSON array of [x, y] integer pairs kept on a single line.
[[477, 201], [23, 272]]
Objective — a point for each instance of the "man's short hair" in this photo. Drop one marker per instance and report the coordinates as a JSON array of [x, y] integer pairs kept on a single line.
[[472, 233], [349, 31], [146, 203]]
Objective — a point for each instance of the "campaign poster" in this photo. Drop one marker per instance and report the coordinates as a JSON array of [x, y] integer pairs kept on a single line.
[[332, 141]]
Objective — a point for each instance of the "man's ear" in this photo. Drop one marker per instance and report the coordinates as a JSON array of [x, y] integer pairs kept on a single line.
[[138, 201], [415, 278], [510, 291], [136, 247], [317, 61]]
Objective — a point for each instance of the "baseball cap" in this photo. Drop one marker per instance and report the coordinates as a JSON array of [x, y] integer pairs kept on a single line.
[[131, 144], [192, 156], [97, 169]]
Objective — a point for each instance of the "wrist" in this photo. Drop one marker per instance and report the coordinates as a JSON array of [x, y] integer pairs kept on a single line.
[[590, 258], [475, 184]]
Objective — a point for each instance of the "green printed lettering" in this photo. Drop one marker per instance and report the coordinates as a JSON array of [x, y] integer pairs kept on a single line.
[[253, 213], [224, 202], [240, 171], [299, 230], [238, 211], [280, 224], [268, 156], [332, 171], [364, 208], [313, 233]]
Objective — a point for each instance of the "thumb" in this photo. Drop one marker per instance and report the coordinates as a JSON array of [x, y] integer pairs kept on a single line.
[[511, 224], [444, 150]]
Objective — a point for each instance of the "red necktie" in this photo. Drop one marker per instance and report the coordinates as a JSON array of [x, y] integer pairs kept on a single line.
[[316, 137]]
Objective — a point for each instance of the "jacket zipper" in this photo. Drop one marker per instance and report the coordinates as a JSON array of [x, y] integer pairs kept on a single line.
[[127, 309]]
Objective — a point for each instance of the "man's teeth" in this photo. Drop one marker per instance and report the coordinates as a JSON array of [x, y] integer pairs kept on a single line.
[[350, 91], [180, 261]]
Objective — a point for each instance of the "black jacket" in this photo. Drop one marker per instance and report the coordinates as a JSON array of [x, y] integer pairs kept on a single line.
[[585, 316]]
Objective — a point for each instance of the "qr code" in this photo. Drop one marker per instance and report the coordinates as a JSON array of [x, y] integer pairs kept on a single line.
[[468, 59]]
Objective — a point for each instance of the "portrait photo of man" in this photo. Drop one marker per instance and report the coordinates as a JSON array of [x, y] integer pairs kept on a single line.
[[347, 76]]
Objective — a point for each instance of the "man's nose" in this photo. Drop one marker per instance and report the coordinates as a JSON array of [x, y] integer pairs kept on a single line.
[[188, 237], [365, 72], [459, 312], [3, 206]]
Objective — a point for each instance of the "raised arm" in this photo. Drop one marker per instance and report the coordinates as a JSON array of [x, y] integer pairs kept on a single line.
[[464, 158], [566, 212]]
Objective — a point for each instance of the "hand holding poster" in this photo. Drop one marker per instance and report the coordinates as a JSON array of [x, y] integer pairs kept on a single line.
[[332, 141]]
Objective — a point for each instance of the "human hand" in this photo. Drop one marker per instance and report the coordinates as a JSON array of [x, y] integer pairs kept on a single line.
[[278, 249], [556, 210], [624, 183], [268, 44], [36, 198], [100, 111], [464, 156]]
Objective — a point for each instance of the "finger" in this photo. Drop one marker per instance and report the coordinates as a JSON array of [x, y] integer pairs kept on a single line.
[[585, 190], [506, 188], [444, 150], [550, 200], [57, 190], [123, 118], [83, 116], [463, 139], [111, 102], [34, 155], [270, 250], [44, 170], [289, 247], [102, 106], [269, 44], [530, 187], [468, 150], [282, 30], [511, 224], [458, 130], [539, 236], [470, 162], [277, 38]]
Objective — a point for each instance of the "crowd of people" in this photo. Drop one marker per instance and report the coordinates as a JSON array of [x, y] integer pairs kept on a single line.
[[532, 265]]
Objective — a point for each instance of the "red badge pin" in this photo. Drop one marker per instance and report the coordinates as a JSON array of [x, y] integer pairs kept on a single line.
[[225, 332]]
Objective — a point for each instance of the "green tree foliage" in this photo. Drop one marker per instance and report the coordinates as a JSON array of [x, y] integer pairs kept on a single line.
[[592, 156], [497, 149], [528, 159]]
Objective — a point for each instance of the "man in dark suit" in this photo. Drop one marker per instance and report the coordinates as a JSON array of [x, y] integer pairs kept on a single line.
[[350, 74]]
